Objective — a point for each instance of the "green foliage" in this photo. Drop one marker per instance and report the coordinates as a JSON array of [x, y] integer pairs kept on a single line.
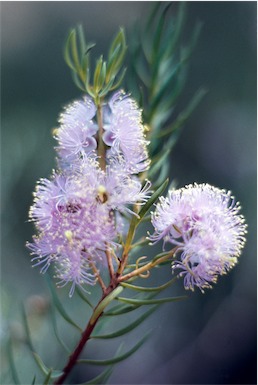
[[13, 369], [108, 74], [158, 72], [59, 305], [116, 359]]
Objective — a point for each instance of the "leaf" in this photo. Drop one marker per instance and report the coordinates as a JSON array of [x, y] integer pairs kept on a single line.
[[185, 114], [148, 289], [123, 309], [27, 330], [153, 199], [158, 164], [83, 297], [101, 378], [115, 360], [104, 303], [120, 310], [67, 56], [119, 80], [48, 377], [37, 358], [59, 306], [34, 380], [45, 370], [128, 328], [52, 312], [104, 376], [12, 363], [150, 301]]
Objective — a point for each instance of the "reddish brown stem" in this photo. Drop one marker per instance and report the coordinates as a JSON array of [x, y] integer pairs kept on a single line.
[[75, 354]]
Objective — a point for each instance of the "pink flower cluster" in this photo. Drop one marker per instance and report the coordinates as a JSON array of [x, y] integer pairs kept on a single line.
[[204, 224], [76, 210]]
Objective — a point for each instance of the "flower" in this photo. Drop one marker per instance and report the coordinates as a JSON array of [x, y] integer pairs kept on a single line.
[[124, 132], [204, 224], [74, 228], [76, 133], [79, 211]]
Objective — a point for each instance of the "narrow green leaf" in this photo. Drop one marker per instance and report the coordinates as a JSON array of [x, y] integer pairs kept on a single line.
[[105, 302], [102, 76], [150, 301], [112, 62], [120, 310], [148, 289], [104, 376], [62, 343], [97, 72], [128, 328], [119, 81], [153, 199], [59, 306], [101, 378], [180, 20], [48, 377], [12, 363], [118, 40], [185, 114], [158, 163], [123, 309], [166, 87], [26, 327], [83, 297], [44, 369], [159, 31], [67, 56], [74, 50], [38, 360], [116, 359], [34, 380], [81, 38], [77, 81]]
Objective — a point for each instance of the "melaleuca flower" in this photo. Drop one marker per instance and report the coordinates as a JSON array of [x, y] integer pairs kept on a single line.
[[204, 223], [115, 187], [74, 228], [124, 132], [123, 189], [76, 132]]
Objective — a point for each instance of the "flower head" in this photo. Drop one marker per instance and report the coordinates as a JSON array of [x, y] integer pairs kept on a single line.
[[76, 133], [124, 132], [205, 225], [74, 228], [76, 211]]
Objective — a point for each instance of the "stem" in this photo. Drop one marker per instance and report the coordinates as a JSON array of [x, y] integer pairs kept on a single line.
[[148, 266], [100, 280], [101, 144], [127, 246], [110, 264], [111, 292], [74, 356]]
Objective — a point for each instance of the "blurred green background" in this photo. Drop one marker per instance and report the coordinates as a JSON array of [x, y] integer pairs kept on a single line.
[[210, 338]]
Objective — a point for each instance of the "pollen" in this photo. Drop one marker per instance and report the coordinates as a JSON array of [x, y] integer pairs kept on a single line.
[[102, 194], [69, 235]]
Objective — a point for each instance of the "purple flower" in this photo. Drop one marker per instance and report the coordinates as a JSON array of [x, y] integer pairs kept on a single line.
[[76, 133], [124, 132], [74, 213], [205, 225], [74, 228], [77, 212]]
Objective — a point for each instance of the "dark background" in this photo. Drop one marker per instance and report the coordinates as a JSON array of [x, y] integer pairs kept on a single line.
[[210, 338]]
